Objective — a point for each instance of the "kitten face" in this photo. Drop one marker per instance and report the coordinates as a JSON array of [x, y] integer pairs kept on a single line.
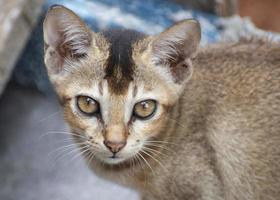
[[116, 87], [116, 121]]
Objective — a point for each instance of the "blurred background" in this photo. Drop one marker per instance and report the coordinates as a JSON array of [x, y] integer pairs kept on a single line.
[[38, 159]]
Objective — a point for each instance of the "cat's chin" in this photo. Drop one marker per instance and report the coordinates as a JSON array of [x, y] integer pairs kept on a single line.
[[114, 161]]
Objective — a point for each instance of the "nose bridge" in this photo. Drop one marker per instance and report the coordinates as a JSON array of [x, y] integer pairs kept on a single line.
[[115, 130], [116, 112], [116, 133]]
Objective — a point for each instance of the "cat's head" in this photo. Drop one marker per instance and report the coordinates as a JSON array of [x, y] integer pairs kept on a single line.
[[117, 86]]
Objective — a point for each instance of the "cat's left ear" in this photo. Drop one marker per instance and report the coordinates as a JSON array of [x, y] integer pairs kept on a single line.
[[175, 47], [66, 37]]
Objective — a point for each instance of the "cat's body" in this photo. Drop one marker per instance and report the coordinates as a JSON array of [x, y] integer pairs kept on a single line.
[[211, 133], [223, 136]]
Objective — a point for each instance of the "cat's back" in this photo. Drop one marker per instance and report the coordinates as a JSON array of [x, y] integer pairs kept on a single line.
[[242, 73], [234, 98], [241, 67]]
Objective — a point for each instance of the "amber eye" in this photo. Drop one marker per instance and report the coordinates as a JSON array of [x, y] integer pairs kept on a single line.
[[144, 109], [87, 105]]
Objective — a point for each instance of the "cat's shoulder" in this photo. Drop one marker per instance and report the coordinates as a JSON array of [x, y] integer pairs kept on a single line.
[[245, 50], [245, 45]]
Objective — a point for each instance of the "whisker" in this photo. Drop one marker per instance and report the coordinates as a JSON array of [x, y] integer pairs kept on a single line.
[[161, 142], [155, 152], [155, 159], [84, 150], [74, 157], [54, 159], [143, 168], [62, 155], [62, 133], [63, 148], [92, 155], [69, 140], [146, 161], [87, 154], [67, 133], [132, 163], [47, 117], [159, 146]]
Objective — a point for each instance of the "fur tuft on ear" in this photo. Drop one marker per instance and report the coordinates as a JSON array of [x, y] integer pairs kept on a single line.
[[65, 35], [176, 46]]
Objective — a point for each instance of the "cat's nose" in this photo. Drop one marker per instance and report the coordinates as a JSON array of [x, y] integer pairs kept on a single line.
[[114, 147]]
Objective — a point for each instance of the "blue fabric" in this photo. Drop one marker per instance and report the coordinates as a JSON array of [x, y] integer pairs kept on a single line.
[[148, 16]]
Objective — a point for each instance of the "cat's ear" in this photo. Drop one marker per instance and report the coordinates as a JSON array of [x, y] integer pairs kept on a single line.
[[65, 36], [176, 46]]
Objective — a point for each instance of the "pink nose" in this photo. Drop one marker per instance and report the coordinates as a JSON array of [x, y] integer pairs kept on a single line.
[[114, 147]]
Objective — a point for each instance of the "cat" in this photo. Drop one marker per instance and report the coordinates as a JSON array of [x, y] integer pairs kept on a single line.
[[166, 117]]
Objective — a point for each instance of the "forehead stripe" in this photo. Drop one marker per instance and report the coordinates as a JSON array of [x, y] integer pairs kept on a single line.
[[120, 66]]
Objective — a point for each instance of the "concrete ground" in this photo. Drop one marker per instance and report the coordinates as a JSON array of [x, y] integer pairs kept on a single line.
[[32, 166]]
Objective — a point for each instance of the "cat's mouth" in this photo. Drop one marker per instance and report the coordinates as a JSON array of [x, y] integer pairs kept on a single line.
[[128, 154], [114, 156], [114, 159]]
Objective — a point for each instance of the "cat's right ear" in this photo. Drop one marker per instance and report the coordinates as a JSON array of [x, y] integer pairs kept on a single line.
[[65, 37], [175, 47]]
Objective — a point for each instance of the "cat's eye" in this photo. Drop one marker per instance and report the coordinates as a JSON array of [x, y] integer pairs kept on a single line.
[[87, 105], [144, 109]]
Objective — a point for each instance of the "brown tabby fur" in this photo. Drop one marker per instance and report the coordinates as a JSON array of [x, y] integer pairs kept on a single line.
[[226, 127], [220, 137]]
